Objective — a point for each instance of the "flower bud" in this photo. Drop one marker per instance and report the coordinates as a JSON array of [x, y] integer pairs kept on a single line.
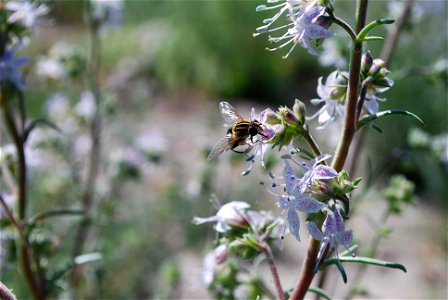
[[377, 65], [269, 116], [299, 109], [288, 116], [366, 63]]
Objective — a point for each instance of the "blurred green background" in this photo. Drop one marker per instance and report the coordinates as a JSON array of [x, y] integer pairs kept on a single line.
[[164, 70]]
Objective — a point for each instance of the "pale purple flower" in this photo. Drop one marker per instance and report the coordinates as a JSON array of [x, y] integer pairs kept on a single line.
[[332, 94], [260, 145], [296, 200], [371, 101], [333, 233], [86, 106], [211, 261], [10, 66], [108, 11], [230, 214], [26, 13], [308, 22], [50, 68], [314, 170]]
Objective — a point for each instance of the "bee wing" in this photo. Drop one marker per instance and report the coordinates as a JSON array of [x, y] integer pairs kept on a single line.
[[219, 148], [229, 114]]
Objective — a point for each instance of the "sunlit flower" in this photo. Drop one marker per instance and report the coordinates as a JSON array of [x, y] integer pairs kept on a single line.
[[296, 200], [86, 106], [309, 23], [211, 262], [315, 171], [229, 215], [26, 13], [332, 94], [333, 233], [50, 68], [10, 66]]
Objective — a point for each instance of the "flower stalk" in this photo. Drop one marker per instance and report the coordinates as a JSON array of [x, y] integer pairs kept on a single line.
[[95, 139], [27, 270], [348, 131], [278, 286]]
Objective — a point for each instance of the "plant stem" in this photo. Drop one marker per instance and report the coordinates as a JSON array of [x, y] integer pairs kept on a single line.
[[22, 197], [10, 214], [349, 127], [313, 145], [95, 137], [278, 287], [345, 26], [307, 272]]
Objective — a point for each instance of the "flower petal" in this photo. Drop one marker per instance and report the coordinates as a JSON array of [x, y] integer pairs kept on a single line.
[[314, 231], [324, 172], [294, 223], [308, 204], [290, 177]]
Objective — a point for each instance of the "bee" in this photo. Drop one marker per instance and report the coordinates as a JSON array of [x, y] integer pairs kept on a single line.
[[240, 130]]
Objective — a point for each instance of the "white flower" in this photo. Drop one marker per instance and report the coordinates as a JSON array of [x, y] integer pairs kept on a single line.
[[26, 13], [47, 67], [308, 22], [332, 94], [230, 214], [85, 108]]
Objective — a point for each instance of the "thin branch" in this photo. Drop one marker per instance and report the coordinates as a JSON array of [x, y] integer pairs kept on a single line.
[[278, 287]]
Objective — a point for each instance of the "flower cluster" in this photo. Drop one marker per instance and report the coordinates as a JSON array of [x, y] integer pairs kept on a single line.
[[21, 18], [333, 92], [308, 24], [243, 233]]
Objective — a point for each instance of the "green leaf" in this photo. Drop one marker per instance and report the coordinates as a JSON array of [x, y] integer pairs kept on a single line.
[[366, 120], [352, 249], [319, 292], [87, 258], [55, 213], [373, 38], [36, 123], [362, 260], [78, 260], [363, 33]]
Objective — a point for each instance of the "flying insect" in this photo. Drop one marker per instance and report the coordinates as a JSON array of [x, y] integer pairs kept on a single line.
[[238, 133]]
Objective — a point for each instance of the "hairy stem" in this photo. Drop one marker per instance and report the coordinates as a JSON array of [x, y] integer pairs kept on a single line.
[[278, 287], [307, 272]]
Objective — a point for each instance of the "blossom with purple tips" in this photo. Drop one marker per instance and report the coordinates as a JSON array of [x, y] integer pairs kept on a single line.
[[332, 94], [333, 233], [296, 200], [315, 171], [309, 22]]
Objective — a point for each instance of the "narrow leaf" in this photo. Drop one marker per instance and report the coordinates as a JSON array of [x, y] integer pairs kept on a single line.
[[369, 118], [373, 38], [36, 123], [352, 249], [362, 260], [319, 292], [86, 258], [363, 33], [55, 213]]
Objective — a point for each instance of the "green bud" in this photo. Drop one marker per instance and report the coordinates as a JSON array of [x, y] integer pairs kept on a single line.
[[366, 63], [299, 109]]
